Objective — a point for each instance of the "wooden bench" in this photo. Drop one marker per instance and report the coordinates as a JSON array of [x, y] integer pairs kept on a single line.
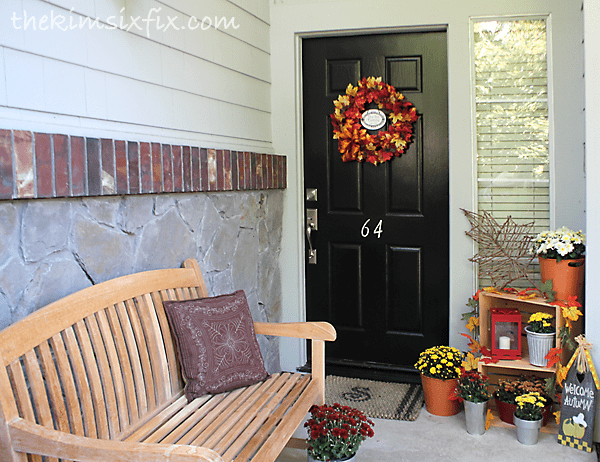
[[94, 377]]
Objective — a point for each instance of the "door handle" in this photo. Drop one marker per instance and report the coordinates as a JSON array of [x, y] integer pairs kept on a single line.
[[312, 253], [311, 225]]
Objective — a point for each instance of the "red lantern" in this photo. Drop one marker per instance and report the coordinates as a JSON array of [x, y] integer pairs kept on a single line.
[[506, 333]]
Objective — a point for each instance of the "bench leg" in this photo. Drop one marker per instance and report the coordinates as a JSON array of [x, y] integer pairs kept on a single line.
[[318, 368]]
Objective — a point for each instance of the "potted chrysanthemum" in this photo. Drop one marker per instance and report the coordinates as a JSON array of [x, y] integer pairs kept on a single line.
[[528, 417], [439, 367], [562, 259], [540, 337], [508, 390], [335, 432], [473, 390]]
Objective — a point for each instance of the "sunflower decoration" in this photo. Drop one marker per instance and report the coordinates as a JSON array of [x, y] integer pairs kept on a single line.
[[360, 115]]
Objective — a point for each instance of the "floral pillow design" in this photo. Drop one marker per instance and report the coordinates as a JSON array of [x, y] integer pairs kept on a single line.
[[216, 343]]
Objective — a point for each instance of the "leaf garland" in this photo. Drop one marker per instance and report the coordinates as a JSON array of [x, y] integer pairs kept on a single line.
[[355, 143]]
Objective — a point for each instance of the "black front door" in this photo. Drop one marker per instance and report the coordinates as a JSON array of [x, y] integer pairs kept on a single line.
[[382, 258]]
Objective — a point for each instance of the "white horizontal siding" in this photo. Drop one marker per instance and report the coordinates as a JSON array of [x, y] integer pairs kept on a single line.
[[2, 79], [206, 86]]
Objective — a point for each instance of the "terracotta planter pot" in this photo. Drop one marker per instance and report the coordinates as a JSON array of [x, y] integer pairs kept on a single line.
[[506, 412], [567, 276], [437, 396]]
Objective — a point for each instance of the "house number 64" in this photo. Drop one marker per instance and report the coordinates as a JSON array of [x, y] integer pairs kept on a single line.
[[364, 231]]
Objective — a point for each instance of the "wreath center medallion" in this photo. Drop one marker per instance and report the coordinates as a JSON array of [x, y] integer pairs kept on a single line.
[[352, 123], [373, 119]]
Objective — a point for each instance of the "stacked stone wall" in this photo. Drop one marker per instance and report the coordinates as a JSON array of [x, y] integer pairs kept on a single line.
[[50, 248]]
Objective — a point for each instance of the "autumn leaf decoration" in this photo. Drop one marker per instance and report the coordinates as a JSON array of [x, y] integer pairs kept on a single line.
[[488, 419], [504, 249], [355, 142]]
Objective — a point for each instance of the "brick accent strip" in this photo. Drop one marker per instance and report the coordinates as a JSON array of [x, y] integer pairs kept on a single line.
[[42, 165]]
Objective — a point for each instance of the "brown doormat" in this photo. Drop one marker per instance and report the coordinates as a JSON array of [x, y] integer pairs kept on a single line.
[[383, 400]]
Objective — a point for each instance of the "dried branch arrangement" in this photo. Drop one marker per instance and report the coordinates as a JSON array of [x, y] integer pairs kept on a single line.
[[503, 249]]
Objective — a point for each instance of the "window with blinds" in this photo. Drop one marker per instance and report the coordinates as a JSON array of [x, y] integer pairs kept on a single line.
[[512, 125]]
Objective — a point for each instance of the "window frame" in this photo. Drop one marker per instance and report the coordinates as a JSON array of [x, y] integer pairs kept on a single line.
[[550, 93]]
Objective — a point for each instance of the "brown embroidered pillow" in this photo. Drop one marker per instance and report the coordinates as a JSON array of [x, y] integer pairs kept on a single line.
[[216, 342]]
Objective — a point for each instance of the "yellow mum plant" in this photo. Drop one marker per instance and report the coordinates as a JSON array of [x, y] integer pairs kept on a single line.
[[541, 323], [440, 362], [530, 406]]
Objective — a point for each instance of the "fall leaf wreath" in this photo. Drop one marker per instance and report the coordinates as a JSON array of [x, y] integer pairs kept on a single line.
[[352, 122]]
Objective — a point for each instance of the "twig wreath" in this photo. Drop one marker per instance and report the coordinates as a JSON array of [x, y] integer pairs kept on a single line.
[[352, 123]]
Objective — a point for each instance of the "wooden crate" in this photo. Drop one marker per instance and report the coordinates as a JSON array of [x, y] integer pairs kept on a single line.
[[513, 369], [488, 300]]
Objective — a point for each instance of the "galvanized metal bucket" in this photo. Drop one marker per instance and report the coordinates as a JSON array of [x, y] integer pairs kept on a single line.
[[475, 414], [528, 431]]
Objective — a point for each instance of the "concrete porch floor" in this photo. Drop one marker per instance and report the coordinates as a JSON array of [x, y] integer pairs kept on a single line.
[[431, 438]]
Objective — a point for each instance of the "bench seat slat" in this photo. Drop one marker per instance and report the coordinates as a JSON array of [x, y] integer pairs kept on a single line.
[[247, 420], [244, 435], [285, 429], [23, 400], [252, 397], [185, 434], [134, 358], [54, 388], [154, 341], [268, 427], [36, 384], [167, 426], [145, 428], [186, 429], [144, 356], [169, 342], [125, 367], [40, 399], [64, 370], [106, 381], [93, 376], [24, 404], [82, 383], [181, 435], [116, 383]]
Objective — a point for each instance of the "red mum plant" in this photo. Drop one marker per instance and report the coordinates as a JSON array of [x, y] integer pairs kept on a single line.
[[336, 431], [472, 386]]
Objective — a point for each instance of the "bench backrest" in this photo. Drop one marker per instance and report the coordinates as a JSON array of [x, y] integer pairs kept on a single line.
[[99, 361]]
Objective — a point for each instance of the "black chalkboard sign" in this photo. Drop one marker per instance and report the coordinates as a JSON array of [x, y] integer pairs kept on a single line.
[[576, 427]]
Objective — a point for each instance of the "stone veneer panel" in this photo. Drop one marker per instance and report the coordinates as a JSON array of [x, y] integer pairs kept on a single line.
[[41, 165], [52, 248]]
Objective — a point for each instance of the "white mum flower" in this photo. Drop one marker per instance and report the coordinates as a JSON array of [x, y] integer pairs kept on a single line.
[[564, 249], [553, 244]]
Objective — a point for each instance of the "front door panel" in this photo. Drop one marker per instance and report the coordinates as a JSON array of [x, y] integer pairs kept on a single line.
[[382, 270]]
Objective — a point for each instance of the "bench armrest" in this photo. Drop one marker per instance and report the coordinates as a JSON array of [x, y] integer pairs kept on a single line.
[[31, 438], [307, 330], [317, 332]]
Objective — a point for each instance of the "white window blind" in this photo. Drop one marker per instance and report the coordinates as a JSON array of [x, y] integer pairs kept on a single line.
[[511, 107]]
